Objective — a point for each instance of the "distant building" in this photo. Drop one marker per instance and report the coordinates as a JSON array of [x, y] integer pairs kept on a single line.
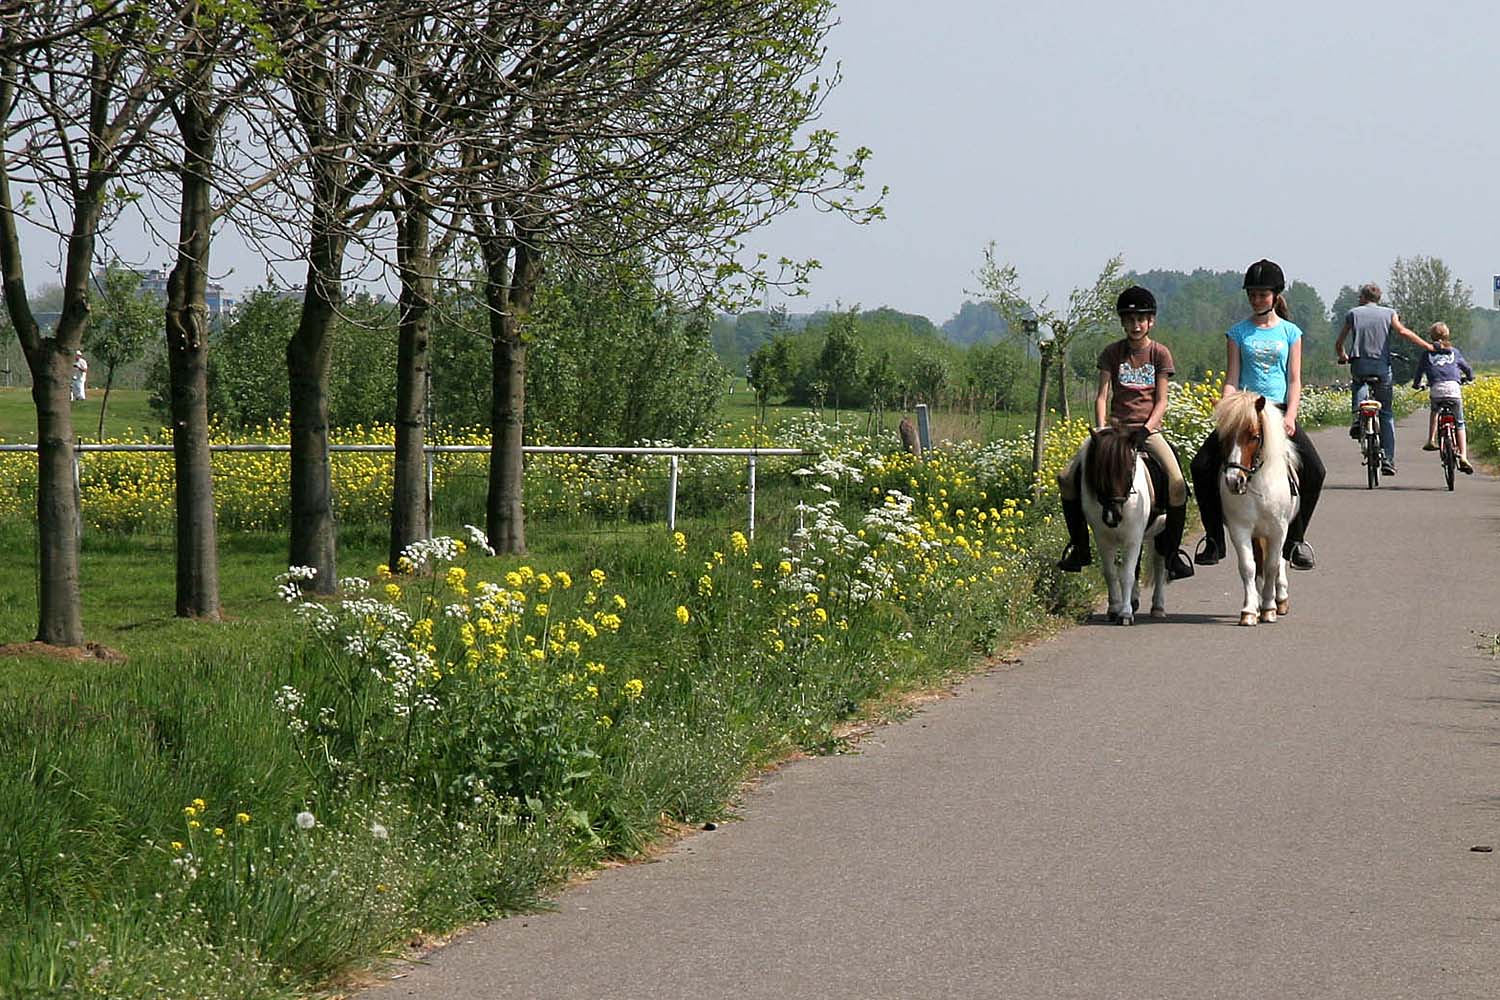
[[154, 281]]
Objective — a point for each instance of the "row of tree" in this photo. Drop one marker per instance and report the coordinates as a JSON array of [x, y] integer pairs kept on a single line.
[[616, 362], [459, 143]]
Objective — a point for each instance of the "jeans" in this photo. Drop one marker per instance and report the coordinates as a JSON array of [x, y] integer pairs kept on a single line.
[[1360, 368]]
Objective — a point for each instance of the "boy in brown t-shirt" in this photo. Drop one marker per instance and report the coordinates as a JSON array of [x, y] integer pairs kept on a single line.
[[1133, 378]]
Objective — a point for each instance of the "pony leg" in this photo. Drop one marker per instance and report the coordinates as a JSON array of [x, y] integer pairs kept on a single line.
[[1244, 553], [1283, 603], [1128, 583], [1108, 551], [1158, 583], [1272, 576]]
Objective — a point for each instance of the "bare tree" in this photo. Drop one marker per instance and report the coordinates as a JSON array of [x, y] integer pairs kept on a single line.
[[218, 62], [1089, 310], [328, 118], [76, 108], [669, 126]]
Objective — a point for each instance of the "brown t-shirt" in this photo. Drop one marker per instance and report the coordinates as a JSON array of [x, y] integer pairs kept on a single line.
[[1132, 377]]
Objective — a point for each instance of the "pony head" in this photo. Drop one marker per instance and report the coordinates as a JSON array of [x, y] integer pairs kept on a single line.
[[1109, 470], [1251, 436]]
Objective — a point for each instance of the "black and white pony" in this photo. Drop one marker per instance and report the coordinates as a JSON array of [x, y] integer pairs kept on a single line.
[[1116, 490]]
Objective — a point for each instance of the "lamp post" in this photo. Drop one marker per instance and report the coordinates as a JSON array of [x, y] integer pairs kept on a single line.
[[1044, 341]]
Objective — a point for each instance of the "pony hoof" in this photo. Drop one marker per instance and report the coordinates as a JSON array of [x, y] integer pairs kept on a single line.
[[1268, 615], [1112, 618], [1125, 620], [1158, 613], [1248, 618], [1283, 607]]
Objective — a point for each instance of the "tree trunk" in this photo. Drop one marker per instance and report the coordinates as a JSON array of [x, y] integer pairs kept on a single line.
[[1062, 383], [187, 365], [109, 381], [509, 293], [59, 604], [409, 499], [314, 538], [1039, 436], [505, 513]]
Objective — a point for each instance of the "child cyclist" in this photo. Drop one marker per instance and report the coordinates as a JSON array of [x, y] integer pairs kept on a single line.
[[1445, 368], [1133, 382]]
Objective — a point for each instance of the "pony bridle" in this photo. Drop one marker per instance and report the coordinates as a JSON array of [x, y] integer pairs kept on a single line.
[[1247, 470]]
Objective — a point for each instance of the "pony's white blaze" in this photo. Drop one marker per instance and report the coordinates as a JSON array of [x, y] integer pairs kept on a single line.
[[1258, 500], [1120, 532]]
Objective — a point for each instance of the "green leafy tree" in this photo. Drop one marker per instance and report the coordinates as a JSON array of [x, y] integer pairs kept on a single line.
[[620, 361], [678, 133], [769, 372], [1347, 298], [840, 360], [125, 319], [1311, 314], [996, 372], [1090, 310], [1423, 291]]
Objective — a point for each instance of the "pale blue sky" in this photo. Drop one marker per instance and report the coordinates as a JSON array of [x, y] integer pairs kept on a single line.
[[1332, 136], [1329, 135]]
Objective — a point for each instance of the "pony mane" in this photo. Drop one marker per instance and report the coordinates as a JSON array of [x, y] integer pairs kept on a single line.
[[1236, 413], [1109, 466]]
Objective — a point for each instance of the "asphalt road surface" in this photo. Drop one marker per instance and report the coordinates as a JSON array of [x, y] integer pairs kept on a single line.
[[1183, 809]]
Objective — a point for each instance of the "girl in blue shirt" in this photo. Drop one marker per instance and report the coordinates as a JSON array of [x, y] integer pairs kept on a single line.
[[1263, 355]]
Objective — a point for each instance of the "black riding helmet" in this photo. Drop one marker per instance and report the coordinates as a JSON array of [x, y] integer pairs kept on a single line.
[[1135, 299], [1265, 274]]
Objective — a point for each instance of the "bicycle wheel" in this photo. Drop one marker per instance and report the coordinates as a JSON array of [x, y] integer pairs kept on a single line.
[[1450, 458], [1372, 461]]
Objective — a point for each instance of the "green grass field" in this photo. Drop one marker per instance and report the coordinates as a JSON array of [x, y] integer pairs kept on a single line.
[[128, 413], [242, 810], [739, 413]]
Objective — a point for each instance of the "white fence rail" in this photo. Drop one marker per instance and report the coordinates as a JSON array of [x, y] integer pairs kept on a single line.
[[674, 454]]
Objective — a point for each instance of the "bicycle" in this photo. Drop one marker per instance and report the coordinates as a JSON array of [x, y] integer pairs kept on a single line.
[[1369, 430], [1447, 435], [1366, 429]]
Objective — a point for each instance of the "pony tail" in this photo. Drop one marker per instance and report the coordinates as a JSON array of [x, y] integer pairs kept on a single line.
[[1282, 309]]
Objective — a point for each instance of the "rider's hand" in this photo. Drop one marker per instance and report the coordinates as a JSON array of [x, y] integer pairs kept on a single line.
[[1343, 357], [1290, 423]]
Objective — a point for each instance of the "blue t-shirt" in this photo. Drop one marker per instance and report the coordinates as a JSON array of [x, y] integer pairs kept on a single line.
[[1263, 356]]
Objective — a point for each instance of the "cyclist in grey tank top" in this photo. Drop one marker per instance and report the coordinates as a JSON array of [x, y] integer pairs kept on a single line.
[[1368, 327]]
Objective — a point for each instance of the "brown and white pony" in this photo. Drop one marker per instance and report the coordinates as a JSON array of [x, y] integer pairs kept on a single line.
[[1259, 503], [1115, 489]]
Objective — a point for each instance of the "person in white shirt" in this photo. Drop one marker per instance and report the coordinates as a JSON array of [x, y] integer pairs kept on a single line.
[[80, 376]]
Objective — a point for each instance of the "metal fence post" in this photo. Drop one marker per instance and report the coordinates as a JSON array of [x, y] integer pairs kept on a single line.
[[672, 497], [431, 461], [77, 494], [752, 497]]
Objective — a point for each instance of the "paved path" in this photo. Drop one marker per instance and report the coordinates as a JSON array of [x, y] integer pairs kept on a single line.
[[1186, 809]]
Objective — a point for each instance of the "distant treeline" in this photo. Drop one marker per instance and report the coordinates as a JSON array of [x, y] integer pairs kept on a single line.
[[898, 358]]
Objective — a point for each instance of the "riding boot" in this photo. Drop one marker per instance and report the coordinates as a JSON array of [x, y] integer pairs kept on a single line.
[[1169, 544], [1076, 556]]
